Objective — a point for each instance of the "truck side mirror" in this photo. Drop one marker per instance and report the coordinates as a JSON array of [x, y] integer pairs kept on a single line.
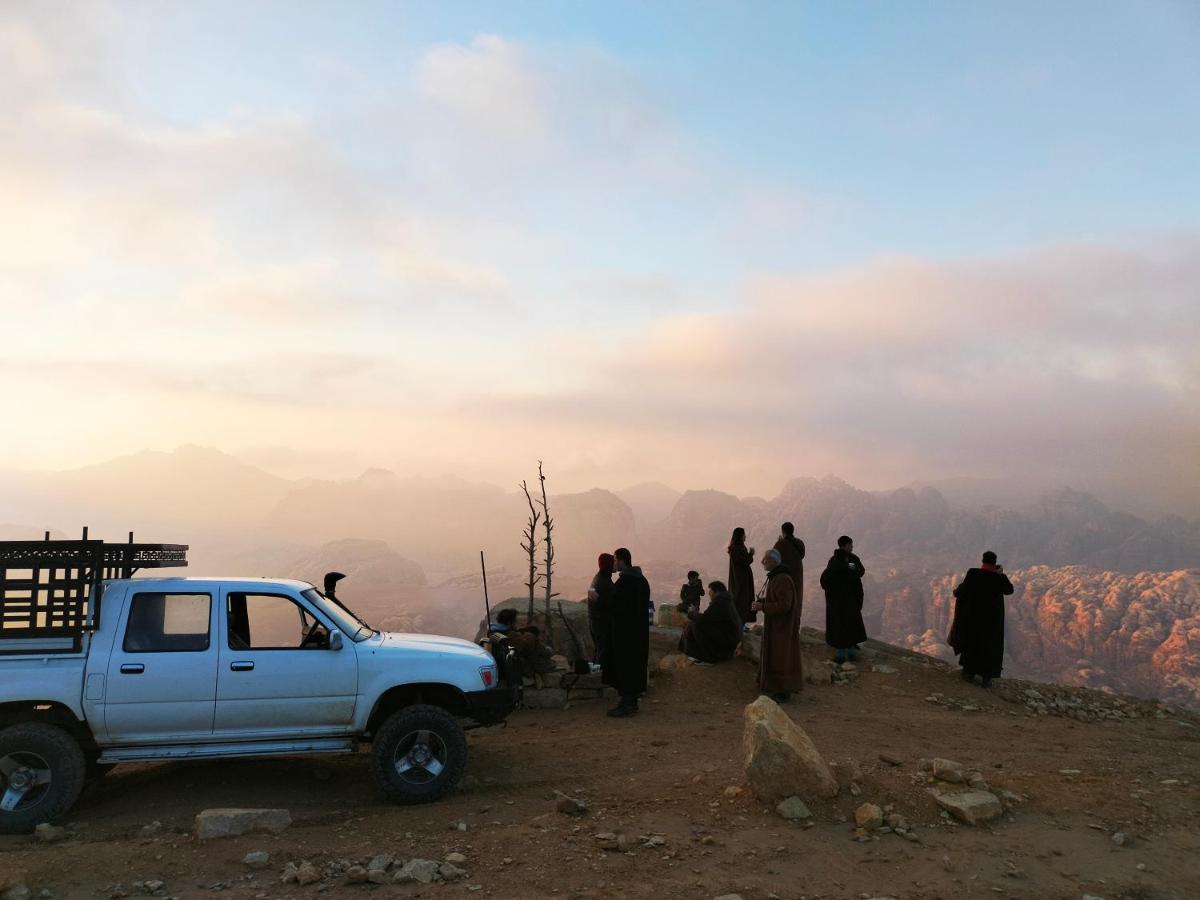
[[335, 640]]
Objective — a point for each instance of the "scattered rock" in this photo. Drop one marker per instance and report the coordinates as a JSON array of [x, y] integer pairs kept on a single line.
[[151, 830], [379, 861], [971, 807], [846, 772], [732, 792], [220, 823], [884, 670], [868, 816], [1121, 839], [891, 759], [948, 770], [356, 875], [257, 859], [793, 808], [569, 806], [781, 760], [451, 872], [50, 834], [673, 662], [422, 871], [456, 859]]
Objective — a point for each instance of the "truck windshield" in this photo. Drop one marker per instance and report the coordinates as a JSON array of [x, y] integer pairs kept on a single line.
[[345, 619]]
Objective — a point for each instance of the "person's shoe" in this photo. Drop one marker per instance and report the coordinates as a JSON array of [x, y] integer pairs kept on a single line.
[[853, 654], [987, 683], [839, 657], [968, 676], [622, 712], [700, 662]]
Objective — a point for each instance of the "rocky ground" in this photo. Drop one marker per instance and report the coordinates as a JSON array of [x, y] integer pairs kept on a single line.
[[1098, 796]]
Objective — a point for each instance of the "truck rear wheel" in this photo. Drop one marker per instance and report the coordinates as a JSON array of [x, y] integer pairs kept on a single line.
[[420, 753], [41, 775]]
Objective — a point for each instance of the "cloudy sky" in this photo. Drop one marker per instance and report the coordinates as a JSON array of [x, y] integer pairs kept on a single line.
[[714, 244]]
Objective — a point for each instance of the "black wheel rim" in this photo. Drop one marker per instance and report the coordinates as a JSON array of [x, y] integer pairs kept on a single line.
[[420, 757], [24, 781]]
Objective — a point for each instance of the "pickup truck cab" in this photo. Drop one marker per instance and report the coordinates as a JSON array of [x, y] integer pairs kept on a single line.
[[202, 668]]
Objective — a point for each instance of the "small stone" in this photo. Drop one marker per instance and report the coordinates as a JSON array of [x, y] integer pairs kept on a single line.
[[732, 791], [378, 876], [422, 871], [569, 806], [151, 830], [868, 816], [307, 874], [971, 807], [1121, 839], [257, 859], [793, 808], [221, 823], [50, 834], [451, 872], [356, 875], [379, 861], [948, 770], [891, 759], [456, 859]]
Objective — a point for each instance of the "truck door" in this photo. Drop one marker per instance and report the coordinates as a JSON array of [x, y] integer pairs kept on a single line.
[[162, 671], [279, 672]]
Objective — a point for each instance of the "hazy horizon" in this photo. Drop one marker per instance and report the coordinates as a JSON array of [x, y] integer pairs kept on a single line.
[[909, 243]]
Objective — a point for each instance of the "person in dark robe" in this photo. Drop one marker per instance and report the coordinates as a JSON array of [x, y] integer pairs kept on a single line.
[[599, 623], [780, 669], [791, 551], [629, 651], [977, 632], [741, 576], [691, 593], [712, 636], [842, 583]]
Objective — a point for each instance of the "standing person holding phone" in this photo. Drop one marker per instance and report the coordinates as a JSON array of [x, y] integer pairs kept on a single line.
[[977, 633], [741, 576]]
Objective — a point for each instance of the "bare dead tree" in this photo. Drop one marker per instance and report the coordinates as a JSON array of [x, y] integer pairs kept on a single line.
[[548, 568], [529, 545]]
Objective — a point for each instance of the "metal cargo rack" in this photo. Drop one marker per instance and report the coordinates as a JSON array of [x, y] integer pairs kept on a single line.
[[50, 590]]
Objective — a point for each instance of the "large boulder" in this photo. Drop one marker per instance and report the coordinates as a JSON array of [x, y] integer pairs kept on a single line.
[[781, 760], [219, 823]]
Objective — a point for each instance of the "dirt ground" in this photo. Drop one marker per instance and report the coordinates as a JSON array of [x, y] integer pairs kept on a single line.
[[665, 773]]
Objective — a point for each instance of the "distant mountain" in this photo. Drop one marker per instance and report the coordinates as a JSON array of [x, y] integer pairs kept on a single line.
[[917, 531], [161, 496], [651, 502]]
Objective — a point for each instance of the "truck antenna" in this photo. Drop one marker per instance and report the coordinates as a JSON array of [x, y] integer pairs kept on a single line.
[[487, 606]]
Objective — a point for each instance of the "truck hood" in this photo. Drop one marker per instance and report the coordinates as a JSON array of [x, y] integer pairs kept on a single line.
[[429, 643]]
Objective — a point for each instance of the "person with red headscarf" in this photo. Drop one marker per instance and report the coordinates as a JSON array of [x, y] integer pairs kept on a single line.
[[599, 621]]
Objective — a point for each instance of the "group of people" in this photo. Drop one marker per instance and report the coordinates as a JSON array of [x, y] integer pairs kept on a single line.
[[620, 610]]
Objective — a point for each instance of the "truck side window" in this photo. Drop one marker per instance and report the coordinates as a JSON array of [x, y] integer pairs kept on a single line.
[[166, 623], [272, 622]]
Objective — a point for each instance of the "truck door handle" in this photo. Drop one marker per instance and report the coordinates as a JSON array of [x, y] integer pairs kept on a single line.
[[241, 666], [132, 668]]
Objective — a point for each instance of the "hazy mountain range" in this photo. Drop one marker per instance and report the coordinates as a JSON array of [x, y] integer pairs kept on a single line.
[[1104, 597]]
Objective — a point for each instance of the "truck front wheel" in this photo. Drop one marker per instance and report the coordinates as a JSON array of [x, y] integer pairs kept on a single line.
[[420, 753], [41, 775]]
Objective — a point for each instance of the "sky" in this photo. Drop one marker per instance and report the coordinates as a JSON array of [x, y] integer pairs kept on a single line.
[[709, 244]]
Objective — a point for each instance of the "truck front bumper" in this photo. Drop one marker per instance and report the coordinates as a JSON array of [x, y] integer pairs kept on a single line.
[[492, 706]]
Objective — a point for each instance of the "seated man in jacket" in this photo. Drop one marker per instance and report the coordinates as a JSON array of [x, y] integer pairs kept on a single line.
[[713, 635]]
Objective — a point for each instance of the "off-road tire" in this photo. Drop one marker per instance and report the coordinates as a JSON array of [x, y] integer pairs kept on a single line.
[[388, 738], [67, 765]]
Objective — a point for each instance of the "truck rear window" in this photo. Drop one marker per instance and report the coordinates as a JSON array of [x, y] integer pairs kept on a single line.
[[164, 623]]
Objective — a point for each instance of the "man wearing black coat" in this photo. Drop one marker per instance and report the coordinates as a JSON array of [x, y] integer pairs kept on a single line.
[[977, 633], [629, 653], [842, 583]]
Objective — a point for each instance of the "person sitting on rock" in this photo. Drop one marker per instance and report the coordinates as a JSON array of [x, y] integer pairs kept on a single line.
[[690, 593], [712, 636], [977, 633], [536, 658], [779, 669]]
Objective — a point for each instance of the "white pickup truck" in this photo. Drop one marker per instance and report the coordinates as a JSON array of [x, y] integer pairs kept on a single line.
[[203, 668]]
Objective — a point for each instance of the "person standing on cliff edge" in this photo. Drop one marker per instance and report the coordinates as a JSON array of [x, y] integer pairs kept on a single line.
[[779, 670], [627, 656], [977, 632], [741, 576], [842, 583]]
